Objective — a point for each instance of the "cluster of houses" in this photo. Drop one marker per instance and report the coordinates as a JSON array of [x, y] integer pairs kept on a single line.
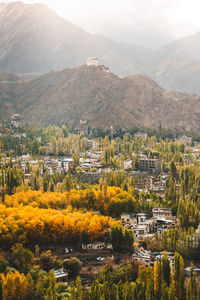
[[150, 183], [144, 227], [149, 258]]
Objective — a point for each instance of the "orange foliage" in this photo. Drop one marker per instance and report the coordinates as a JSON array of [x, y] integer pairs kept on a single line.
[[32, 225], [16, 286], [113, 202]]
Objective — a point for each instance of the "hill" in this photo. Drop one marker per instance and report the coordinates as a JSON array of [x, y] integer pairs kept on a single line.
[[100, 99]]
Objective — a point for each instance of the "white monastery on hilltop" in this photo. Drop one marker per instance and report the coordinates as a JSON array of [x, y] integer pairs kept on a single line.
[[93, 61]]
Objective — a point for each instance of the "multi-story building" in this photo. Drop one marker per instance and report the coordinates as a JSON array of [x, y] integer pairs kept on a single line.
[[128, 219], [161, 212], [150, 165]]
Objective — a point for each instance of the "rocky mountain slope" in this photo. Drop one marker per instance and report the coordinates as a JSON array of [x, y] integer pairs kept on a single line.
[[100, 99], [177, 65], [34, 40]]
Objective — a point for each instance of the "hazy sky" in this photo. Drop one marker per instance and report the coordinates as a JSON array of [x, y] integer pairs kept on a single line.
[[147, 22]]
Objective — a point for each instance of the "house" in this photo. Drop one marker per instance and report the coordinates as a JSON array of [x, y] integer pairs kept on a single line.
[[139, 230], [140, 135], [61, 274], [196, 270], [163, 218], [185, 139], [91, 144], [149, 258], [94, 246], [127, 218], [127, 164], [143, 257]]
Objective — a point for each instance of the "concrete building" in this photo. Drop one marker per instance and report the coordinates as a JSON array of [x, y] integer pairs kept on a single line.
[[128, 219], [161, 212], [150, 165], [66, 164], [143, 257], [97, 246], [148, 258]]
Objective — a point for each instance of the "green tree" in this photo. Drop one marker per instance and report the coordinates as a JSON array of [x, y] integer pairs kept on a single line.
[[51, 290], [1, 289], [73, 266]]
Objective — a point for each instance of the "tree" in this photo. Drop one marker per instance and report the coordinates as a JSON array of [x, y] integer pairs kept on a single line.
[[172, 292], [85, 237], [192, 286], [121, 240], [116, 237], [95, 291], [37, 251], [46, 260], [172, 169], [73, 266], [164, 291], [166, 269], [179, 279], [51, 290], [46, 179], [1, 289], [23, 257]]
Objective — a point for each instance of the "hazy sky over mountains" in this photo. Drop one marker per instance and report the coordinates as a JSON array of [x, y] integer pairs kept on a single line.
[[151, 23]]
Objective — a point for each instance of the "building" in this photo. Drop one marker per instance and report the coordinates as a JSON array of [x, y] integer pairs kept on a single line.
[[195, 269], [94, 246], [127, 164], [139, 230], [91, 177], [139, 224], [161, 212], [164, 218], [185, 139], [15, 118], [128, 219], [91, 144], [143, 257], [66, 164], [150, 165], [140, 135], [148, 258], [61, 275], [92, 61]]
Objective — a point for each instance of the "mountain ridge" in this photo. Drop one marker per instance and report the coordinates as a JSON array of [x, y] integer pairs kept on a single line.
[[100, 99]]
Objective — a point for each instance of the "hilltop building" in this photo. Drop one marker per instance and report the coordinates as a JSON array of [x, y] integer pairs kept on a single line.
[[93, 61]]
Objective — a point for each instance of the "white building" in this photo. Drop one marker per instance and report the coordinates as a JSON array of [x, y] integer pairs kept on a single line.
[[94, 246], [92, 61], [140, 135]]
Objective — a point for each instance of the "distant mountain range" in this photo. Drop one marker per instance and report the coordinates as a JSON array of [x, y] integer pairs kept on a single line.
[[34, 40], [89, 95]]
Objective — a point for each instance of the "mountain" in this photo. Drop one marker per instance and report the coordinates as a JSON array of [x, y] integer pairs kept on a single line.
[[90, 94], [35, 40], [177, 65]]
